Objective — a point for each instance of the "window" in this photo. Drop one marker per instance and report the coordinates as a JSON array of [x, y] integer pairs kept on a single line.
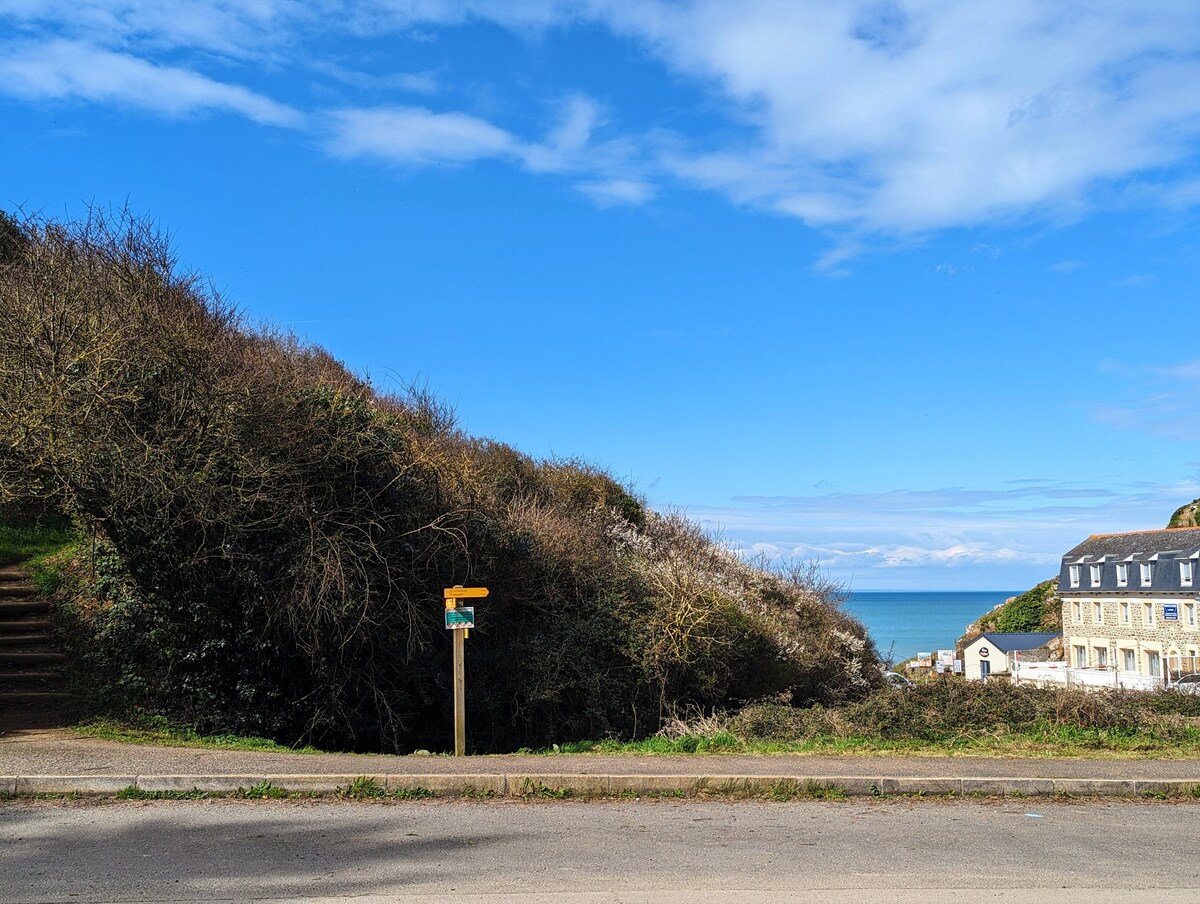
[[1129, 660], [1102, 657], [1185, 573], [1124, 613], [1097, 613], [1122, 574], [1077, 612], [1147, 573], [1081, 657], [1074, 570], [1189, 614], [1153, 663], [1095, 569], [1147, 613]]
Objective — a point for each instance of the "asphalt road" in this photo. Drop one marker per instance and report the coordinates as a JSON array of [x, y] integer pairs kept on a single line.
[[668, 852]]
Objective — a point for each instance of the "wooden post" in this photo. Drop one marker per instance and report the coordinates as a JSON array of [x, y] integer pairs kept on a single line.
[[454, 596], [460, 694]]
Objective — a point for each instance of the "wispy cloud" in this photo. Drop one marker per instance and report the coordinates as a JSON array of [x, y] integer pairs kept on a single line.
[[915, 536], [872, 121], [251, 30], [416, 136], [1161, 400], [618, 191], [1065, 266], [62, 70]]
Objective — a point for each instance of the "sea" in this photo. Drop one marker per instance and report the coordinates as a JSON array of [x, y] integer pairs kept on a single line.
[[912, 621]]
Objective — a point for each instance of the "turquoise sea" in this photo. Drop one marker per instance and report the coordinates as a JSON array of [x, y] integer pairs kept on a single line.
[[920, 620]]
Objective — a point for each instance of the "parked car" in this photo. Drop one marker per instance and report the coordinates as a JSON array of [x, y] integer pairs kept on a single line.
[[895, 679], [1186, 684]]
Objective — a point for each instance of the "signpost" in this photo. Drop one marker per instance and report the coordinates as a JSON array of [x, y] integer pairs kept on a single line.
[[460, 619]]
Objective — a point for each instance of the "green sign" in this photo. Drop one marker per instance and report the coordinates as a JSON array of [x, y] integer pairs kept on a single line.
[[462, 617]]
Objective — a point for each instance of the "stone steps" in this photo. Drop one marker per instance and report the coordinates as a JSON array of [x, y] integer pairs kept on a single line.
[[13, 658], [30, 642], [15, 608], [32, 692]]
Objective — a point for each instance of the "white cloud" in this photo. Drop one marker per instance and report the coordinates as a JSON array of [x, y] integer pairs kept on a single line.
[[240, 29], [905, 117], [411, 82], [867, 119], [414, 136], [68, 69], [617, 191]]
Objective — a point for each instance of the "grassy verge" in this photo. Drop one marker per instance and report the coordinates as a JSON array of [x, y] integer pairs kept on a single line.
[[1049, 743], [157, 732], [943, 719], [30, 543]]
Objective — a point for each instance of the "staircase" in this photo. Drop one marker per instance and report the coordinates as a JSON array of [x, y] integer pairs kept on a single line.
[[32, 689]]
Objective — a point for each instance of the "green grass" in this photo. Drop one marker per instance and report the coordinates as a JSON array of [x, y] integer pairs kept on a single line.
[[157, 732], [1049, 742], [365, 787], [135, 793], [19, 544]]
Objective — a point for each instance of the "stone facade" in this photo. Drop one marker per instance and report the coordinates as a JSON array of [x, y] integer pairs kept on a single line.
[[1132, 633]]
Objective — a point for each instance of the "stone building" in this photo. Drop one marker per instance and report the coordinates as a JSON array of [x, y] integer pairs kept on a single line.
[[1131, 602]]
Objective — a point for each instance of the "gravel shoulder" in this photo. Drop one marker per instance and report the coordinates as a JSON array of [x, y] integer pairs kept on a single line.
[[62, 753]]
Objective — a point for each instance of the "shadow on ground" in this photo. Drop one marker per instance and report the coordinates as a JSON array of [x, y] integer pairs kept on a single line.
[[132, 852]]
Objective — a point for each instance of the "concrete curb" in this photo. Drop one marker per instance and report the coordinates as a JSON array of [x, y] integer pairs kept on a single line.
[[590, 785]]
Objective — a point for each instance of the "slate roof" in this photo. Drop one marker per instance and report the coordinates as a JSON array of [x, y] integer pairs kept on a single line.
[[1007, 642], [1185, 540], [1161, 550]]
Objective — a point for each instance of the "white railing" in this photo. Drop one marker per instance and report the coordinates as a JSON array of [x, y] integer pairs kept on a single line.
[[1059, 673]]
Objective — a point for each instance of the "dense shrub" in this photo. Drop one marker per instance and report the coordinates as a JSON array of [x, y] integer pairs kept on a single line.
[[943, 711], [269, 535]]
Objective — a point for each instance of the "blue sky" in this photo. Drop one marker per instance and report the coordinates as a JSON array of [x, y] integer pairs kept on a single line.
[[908, 287]]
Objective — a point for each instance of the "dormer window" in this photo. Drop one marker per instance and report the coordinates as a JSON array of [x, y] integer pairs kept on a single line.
[[1095, 570], [1122, 574], [1147, 573], [1186, 568], [1074, 572]]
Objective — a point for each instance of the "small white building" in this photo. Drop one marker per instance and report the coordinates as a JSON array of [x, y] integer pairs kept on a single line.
[[993, 653]]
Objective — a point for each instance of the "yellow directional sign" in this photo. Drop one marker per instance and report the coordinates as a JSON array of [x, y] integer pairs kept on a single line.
[[465, 593]]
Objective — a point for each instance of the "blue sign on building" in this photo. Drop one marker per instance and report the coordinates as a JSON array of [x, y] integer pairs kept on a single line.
[[1170, 613]]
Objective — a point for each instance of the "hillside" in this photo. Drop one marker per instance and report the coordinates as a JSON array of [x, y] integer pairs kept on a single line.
[[268, 534], [1037, 609], [1186, 515]]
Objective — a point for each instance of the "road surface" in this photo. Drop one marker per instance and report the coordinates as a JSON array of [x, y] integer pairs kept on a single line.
[[667, 852]]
